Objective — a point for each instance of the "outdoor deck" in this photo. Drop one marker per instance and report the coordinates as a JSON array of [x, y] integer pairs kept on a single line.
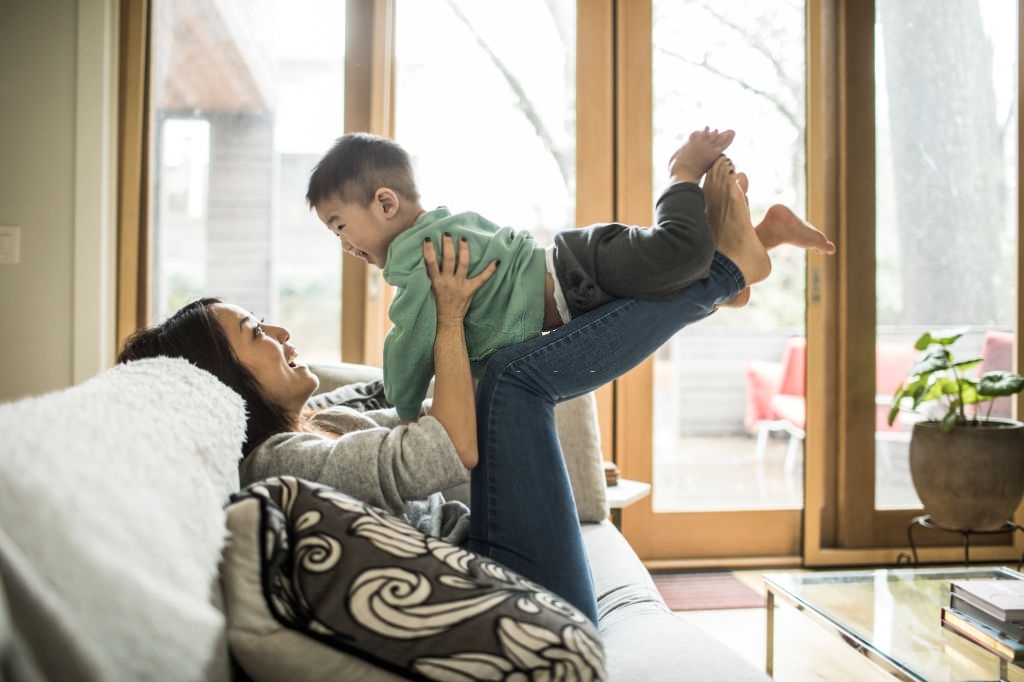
[[708, 473]]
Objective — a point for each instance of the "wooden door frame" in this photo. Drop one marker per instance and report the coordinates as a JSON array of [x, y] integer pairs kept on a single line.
[[369, 107], [657, 538], [841, 526], [595, 147]]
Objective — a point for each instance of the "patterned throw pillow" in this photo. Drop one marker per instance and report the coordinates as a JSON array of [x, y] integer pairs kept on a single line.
[[363, 582]]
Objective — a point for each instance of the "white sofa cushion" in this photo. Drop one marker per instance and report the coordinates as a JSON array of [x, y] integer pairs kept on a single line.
[[111, 503], [643, 639]]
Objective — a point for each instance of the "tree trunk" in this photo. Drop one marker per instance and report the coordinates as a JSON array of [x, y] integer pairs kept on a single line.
[[948, 161]]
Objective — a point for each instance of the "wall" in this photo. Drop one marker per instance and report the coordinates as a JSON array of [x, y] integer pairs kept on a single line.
[[56, 95]]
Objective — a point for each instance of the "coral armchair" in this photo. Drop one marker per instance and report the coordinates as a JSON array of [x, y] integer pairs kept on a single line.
[[776, 400]]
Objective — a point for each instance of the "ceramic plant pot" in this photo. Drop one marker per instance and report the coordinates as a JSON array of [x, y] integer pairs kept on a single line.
[[972, 477]]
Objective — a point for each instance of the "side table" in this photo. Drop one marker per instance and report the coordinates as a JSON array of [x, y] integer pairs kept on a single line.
[[623, 494]]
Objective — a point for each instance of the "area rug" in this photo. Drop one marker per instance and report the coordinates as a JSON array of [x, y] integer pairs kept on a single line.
[[706, 590]]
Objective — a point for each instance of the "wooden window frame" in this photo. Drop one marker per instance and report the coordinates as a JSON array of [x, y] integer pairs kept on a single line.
[[614, 179]]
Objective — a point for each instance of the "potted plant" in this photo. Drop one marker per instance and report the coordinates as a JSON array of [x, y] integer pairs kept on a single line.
[[967, 467]]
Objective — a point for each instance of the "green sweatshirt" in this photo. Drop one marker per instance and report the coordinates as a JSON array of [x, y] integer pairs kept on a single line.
[[506, 310]]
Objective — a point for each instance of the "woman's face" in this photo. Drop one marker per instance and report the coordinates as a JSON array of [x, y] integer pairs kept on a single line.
[[264, 350]]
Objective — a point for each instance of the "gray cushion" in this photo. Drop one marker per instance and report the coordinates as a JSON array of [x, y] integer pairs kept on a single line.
[[578, 433]]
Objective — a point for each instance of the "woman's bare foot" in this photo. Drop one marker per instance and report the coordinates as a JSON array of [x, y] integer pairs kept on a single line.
[[781, 226], [729, 217], [690, 162], [744, 185], [738, 301]]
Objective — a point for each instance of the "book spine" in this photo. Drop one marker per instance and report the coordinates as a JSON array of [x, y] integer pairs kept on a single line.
[[980, 634], [963, 590], [967, 608]]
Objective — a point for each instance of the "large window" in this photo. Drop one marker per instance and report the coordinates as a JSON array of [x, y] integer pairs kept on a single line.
[[487, 113], [892, 125], [247, 96], [946, 187]]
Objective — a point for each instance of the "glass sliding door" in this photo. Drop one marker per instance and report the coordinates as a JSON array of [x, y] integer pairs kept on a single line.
[[946, 235], [720, 442], [727, 406]]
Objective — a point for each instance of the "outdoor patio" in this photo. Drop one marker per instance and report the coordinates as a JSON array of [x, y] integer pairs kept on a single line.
[[715, 473]]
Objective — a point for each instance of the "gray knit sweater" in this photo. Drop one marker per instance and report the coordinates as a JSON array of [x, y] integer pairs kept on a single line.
[[400, 468]]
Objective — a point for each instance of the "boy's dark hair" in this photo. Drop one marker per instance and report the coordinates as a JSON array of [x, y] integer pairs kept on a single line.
[[357, 166], [195, 334]]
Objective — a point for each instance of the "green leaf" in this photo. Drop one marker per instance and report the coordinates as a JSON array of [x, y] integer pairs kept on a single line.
[[909, 388], [936, 377], [999, 383], [969, 394], [920, 393], [945, 338], [895, 409], [923, 341], [939, 386], [967, 364], [932, 360]]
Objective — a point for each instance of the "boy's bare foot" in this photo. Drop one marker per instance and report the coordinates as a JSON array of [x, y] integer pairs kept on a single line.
[[781, 226], [691, 161], [729, 217]]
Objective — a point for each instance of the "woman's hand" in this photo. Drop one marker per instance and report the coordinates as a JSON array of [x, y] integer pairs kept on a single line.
[[454, 405], [453, 289]]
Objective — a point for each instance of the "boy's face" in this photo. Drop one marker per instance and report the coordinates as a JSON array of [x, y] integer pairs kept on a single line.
[[365, 231]]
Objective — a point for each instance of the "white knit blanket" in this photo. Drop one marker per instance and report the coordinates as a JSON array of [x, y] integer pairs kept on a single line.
[[112, 492]]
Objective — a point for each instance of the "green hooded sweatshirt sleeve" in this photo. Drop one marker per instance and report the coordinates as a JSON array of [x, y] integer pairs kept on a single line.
[[508, 309]]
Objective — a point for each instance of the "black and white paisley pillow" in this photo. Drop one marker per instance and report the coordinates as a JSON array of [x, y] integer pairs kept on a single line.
[[366, 584]]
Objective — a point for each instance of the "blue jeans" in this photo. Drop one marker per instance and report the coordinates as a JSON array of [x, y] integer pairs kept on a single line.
[[523, 513]]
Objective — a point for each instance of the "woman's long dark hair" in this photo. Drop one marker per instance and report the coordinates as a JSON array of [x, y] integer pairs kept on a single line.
[[194, 333]]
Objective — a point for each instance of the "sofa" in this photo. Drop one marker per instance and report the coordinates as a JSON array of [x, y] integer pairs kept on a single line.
[[128, 552]]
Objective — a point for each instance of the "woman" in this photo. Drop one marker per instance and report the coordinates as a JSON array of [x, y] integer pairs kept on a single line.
[[523, 513], [394, 468]]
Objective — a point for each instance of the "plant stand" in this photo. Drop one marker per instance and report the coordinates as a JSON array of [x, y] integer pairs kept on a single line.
[[925, 520]]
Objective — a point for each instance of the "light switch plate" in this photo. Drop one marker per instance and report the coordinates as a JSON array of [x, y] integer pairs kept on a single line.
[[10, 245]]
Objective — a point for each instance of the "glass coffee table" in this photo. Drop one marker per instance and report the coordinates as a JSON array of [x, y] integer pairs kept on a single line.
[[892, 617]]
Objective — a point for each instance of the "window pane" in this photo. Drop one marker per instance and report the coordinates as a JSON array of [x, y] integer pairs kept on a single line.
[[946, 236], [247, 96], [715, 382], [486, 107]]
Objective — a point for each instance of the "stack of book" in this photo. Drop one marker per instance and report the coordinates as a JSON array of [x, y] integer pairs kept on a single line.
[[611, 474], [990, 613]]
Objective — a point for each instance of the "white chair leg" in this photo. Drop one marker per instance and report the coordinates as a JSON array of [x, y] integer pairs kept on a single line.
[[763, 430], [795, 450]]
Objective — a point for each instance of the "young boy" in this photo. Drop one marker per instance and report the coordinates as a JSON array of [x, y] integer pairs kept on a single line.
[[364, 192]]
